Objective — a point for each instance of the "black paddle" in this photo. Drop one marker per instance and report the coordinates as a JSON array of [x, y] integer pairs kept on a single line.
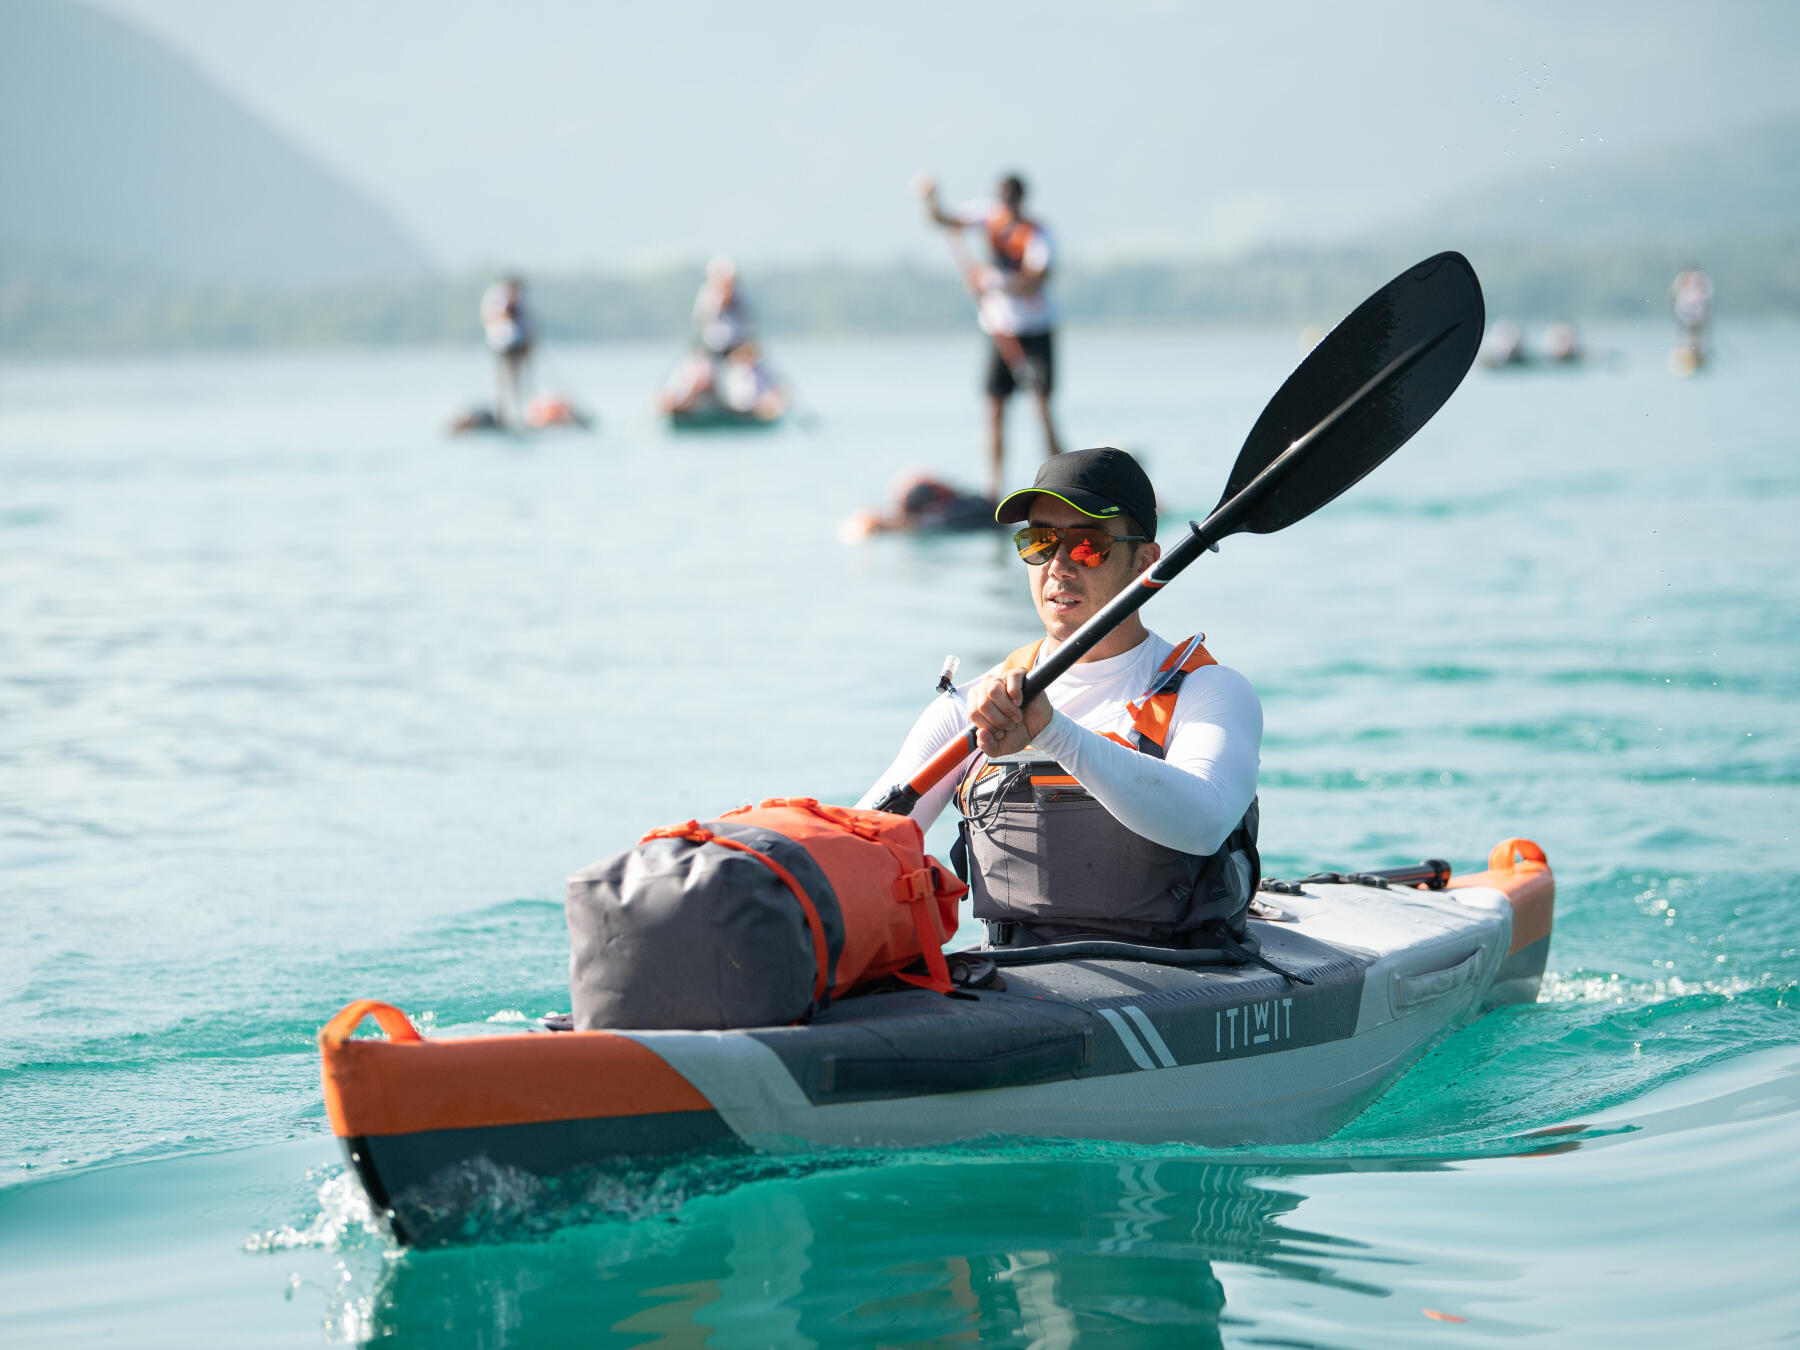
[[1359, 396]]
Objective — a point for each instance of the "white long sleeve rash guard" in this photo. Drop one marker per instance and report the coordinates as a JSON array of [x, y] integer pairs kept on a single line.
[[1190, 800]]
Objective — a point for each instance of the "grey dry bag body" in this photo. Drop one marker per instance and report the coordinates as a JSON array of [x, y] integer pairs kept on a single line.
[[674, 934]]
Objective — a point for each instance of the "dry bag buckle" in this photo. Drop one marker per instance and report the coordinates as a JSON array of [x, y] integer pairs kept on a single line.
[[913, 887]]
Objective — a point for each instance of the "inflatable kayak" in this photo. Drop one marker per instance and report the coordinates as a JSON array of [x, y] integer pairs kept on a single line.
[[1361, 977], [707, 415]]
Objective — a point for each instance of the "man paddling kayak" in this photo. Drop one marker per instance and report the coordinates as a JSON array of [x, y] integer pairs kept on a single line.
[[1121, 803], [1015, 311]]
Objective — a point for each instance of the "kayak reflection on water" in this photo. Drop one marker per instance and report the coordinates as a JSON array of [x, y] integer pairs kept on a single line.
[[1048, 1249]]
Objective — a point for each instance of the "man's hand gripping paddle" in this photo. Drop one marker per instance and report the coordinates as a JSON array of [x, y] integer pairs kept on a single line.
[[1359, 396]]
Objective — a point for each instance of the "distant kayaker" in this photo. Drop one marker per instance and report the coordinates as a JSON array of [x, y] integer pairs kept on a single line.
[[1122, 802], [692, 383], [1014, 308], [510, 328], [748, 386]]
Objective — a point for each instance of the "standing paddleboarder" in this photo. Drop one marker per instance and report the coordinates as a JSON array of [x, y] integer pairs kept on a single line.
[[510, 329], [1014, 309], [1691, 294]]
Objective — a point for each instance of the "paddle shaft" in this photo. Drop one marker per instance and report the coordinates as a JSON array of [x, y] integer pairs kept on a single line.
[[1005, 343], [1225, 519]]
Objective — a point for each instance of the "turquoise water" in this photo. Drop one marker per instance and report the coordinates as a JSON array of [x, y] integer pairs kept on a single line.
[[300, 702]]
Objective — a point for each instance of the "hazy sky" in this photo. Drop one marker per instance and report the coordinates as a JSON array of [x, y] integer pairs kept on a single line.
[[564, 133]]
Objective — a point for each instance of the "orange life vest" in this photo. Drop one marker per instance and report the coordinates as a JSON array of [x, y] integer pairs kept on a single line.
[[1008, 237]]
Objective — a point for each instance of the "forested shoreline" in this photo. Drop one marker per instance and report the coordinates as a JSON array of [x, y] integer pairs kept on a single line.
[[55, 306]]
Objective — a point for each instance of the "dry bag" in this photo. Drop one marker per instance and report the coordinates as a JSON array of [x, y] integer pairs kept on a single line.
[[758, 918]]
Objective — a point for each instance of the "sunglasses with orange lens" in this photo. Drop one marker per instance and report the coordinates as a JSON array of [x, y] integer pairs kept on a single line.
[[1088, 547]]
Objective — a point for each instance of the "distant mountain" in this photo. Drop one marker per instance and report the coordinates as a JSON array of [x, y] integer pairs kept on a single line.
[[114, 151], [1741, 184]]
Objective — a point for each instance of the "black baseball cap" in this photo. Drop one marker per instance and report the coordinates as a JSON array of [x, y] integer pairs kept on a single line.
[[1101, 483]]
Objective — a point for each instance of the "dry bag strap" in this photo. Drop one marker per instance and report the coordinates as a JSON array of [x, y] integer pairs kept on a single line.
[[848, 820], [836, 815], [699, 834], [919, 889]]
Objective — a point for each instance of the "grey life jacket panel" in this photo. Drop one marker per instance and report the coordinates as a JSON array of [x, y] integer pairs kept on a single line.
[[1047, 855]]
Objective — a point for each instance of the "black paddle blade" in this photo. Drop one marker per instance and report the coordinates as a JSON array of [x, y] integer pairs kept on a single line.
[[1426, 324]]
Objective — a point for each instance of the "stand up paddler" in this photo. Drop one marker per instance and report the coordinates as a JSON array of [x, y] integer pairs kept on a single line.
[[1013, 304]]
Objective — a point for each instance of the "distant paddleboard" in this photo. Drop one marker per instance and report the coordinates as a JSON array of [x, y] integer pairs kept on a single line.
[[921, 505], [1685, 360], [707, 414], [546, 412]]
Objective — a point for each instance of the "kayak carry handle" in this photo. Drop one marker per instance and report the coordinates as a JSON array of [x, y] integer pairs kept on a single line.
[[1511, 855], [389, 1018]]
